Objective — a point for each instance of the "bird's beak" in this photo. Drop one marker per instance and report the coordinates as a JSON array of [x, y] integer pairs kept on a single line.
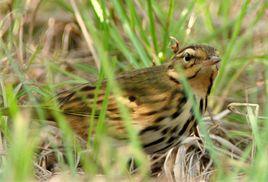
[[215, 61]]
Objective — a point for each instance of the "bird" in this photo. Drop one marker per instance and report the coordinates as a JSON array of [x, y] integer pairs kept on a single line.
[[155, 97], [158, 106]]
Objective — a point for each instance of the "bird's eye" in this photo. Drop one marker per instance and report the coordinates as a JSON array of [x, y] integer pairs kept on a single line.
[[187, 57]]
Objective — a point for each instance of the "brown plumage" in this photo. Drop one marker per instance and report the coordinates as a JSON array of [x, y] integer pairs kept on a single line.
[[155, 98], [158, 106]]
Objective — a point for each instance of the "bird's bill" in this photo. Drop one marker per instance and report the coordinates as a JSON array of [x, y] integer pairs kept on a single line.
[[214, 60]]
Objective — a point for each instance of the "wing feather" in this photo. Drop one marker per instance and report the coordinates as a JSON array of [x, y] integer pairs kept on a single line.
[[146, 95]]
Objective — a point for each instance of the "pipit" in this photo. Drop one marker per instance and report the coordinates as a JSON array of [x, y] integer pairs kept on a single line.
[[158, 105], [155, 97]]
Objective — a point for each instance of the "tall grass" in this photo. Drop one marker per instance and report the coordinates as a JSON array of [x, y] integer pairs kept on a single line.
[[122, 36]]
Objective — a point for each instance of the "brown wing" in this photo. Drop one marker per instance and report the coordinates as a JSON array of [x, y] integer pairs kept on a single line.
[[147, 93]]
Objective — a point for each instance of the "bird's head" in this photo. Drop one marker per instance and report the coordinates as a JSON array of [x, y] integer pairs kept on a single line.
[[197, 61]]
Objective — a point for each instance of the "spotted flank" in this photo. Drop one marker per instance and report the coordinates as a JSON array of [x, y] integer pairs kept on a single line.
[[170, 131]]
